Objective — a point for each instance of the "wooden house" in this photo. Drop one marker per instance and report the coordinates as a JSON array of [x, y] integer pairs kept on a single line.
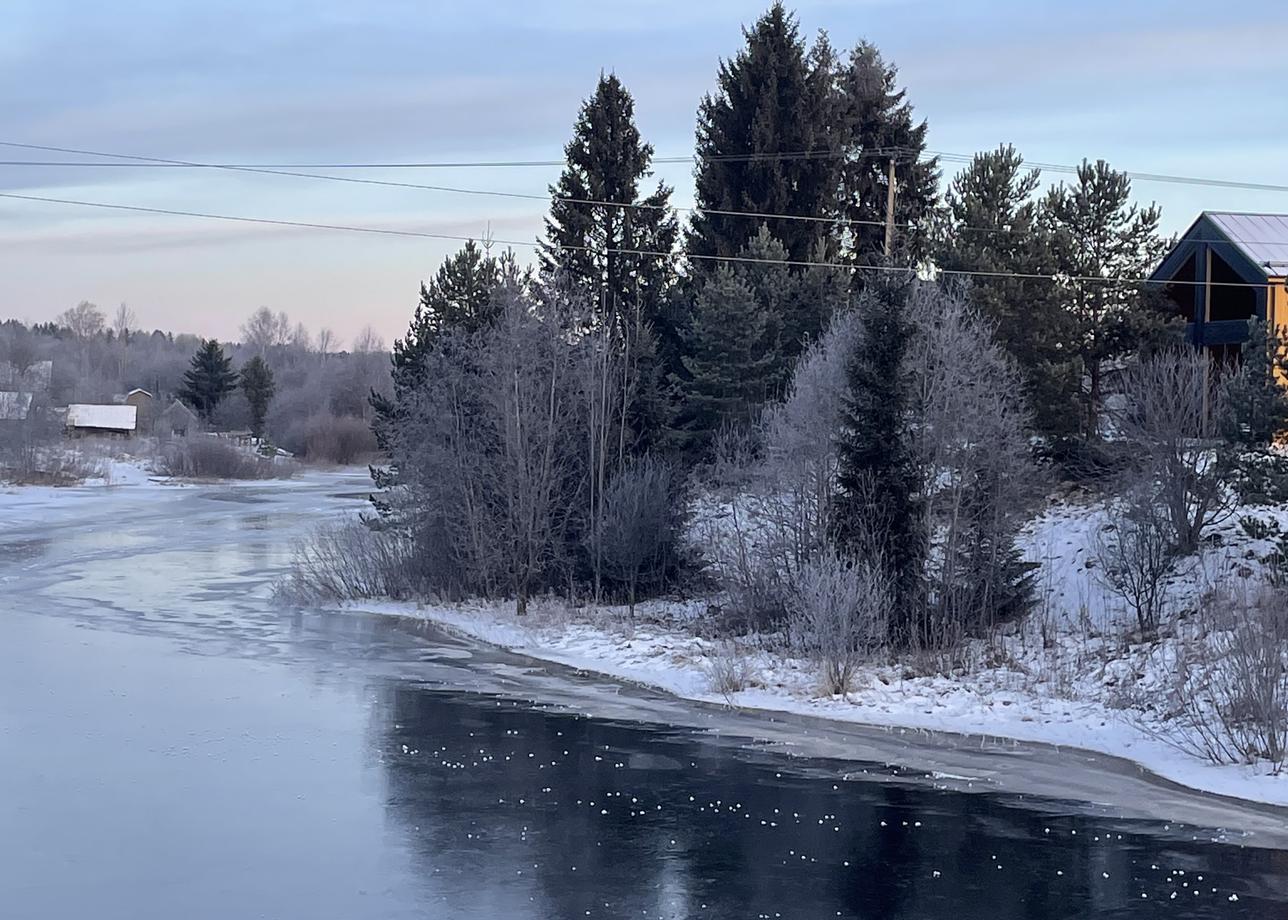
[[177, 420], [1225, 270], [84, 419]]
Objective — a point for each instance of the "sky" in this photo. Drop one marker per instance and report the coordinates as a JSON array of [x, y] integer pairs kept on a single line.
[[1176, 87]]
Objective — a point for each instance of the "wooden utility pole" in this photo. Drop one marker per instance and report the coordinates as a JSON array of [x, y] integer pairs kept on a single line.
[[889, 223]]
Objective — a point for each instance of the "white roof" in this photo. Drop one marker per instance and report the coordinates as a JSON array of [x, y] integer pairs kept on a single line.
[[1262, 237], [137, 390], [14, 406], [115, 418]]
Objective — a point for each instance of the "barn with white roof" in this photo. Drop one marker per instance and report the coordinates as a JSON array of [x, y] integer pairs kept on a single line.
[[85, 419], [1227, 269]]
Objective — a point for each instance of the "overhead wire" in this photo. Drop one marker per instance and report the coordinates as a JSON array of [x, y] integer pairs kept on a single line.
[[676, 254]]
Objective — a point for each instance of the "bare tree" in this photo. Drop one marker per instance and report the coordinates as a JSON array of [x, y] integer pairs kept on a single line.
[[1167, 428], [85, 320], [1135, 554], [123, 321], [325, 342], [980, 480], [265, 330]]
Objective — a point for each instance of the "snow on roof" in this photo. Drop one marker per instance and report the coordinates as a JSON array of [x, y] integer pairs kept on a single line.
[[14, 406], [138, 390], [1262, 237], [115, 418]]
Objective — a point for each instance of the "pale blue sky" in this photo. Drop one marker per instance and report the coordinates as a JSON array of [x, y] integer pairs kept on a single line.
[[1167, 87]]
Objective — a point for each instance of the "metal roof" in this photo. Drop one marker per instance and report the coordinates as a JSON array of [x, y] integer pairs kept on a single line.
[[1262, 237], [114, 418]]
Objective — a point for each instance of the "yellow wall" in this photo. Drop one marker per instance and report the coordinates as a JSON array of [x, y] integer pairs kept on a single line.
[[1277, 314]]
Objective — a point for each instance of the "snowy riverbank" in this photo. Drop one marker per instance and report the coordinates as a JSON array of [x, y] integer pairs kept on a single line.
[[1071, 675], [1000, 702]]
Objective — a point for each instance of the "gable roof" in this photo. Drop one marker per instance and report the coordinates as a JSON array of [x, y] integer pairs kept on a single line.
[[1262, 238], [138, 390], [113, 418]]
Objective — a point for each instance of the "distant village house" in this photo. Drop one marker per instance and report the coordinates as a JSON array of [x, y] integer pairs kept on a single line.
[[177, 420], [1227, 269], [84, 420]]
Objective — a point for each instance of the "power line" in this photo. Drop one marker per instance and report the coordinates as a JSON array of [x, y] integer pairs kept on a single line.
[[883, 153], [388, 231], [274, 171]]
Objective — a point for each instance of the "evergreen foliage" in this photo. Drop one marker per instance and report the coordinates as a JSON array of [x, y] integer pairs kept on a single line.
[[880, 510], [874, 123], [461, 295], [992, 225], [1257, 402], [209, 379], [764, 144], [257, 385], [729, 358], [1096, 233], [595, 248]]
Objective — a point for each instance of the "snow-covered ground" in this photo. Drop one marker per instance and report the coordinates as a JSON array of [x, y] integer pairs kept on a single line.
[[1069, 676]]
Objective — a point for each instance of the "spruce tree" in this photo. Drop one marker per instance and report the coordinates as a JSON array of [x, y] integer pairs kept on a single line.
[[258, 386], [461, 295], [210, 378], [991, 226], [616, 257], [729, 359], [596, 248], [880, 508], [764, 144], [874, 123], [1096, 233]]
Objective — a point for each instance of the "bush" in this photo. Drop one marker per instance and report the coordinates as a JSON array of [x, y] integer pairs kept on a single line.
[[351, 561], [342, 440], [207, 457], [1232, 678], [838, 615], [729, 669], [638, 538]]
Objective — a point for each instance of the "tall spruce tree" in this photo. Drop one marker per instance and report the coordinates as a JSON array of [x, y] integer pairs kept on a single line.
[[461, 295], [874, 124], [764, 144], [617, 255], [209, 379], [730, 359], [595, 247], [1097, 233], [991, 227], [257, 384], [880, 508]]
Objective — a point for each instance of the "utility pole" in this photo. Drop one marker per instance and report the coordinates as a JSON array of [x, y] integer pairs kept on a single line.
[[889, 222]]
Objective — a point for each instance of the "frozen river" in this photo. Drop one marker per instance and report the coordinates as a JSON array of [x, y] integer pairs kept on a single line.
[[174, 743]]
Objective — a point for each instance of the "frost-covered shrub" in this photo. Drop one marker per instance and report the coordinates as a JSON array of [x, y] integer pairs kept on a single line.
[[351, 561], [838, 615], [730, 669], [206, 457], [1232, 678]]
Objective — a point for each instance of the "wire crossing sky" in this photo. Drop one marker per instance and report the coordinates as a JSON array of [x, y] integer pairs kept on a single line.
[[390, 82]]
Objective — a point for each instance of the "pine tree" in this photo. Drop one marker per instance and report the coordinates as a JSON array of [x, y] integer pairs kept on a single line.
[[594, 247], [880, 509], [729, 359], [874, 123], [764, 144], [1256, 402], [210, 378], [1096, 232], [992, 226], [258, 387], [461, 295]]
